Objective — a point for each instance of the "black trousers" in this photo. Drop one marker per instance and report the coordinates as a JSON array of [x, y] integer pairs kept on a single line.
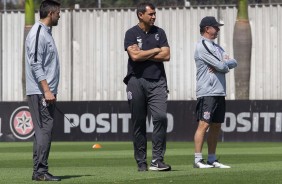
[[143, 94], [42, 116]]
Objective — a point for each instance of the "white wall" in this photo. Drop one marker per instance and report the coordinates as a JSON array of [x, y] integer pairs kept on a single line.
[[93, 60]]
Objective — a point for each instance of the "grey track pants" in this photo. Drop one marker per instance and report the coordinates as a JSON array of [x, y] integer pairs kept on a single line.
[[143, 94], [42, 117]]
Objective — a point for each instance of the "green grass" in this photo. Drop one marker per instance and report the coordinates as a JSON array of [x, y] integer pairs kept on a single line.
[[77, 162]]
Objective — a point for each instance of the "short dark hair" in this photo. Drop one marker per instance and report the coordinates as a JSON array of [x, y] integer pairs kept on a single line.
[[141, 7], [47, 6], [202, 30]]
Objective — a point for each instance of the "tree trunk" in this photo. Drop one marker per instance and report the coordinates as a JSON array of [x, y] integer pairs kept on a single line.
[[29, 21], [242, 45]]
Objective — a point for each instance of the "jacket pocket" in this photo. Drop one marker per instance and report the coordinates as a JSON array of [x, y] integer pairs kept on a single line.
[[211, 79]]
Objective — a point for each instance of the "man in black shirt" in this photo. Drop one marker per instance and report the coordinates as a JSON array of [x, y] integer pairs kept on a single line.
[[147, 48]]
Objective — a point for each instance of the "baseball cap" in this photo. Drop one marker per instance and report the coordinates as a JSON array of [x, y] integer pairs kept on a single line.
[[209, 21]]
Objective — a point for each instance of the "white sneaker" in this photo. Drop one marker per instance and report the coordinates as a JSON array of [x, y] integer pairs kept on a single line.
[[202, 165], [217, 164]]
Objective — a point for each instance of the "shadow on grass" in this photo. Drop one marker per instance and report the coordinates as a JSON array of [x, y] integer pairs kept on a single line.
[[172, 170], [72, 176]]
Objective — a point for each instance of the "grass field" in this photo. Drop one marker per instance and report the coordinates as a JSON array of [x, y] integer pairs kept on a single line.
[[77, 162]]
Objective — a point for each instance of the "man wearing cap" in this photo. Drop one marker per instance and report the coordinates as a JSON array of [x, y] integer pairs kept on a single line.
[[212, 64]]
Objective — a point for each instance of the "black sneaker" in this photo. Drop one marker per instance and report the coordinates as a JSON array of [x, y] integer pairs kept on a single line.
[[46, 177], [34, 175], [142, 167], [159, 166]]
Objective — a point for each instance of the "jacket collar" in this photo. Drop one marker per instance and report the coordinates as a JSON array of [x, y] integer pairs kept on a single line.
[[48, 29], [208, 40]]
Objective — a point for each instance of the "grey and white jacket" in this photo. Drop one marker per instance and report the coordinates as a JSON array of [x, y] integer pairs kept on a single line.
[[41, 60], [210, 55]]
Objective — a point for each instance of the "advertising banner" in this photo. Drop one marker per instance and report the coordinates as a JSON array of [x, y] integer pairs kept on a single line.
[[111, 121]]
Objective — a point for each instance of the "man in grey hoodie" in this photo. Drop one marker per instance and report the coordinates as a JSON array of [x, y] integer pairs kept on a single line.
[[212, 64], [42, 79]]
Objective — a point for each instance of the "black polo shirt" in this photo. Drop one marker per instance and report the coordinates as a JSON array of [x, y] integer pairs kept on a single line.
[[148, 69]]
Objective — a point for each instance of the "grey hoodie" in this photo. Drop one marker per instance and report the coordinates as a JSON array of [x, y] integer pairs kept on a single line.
[[211, 83], [46, 66]]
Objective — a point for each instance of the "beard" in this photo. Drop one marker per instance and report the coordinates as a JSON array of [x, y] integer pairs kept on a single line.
[[55, 23]]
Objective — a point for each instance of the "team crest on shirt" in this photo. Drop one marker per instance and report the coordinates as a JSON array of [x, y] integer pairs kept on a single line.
[[207, 115], [157, 37], [139, 42], [21, 123]]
